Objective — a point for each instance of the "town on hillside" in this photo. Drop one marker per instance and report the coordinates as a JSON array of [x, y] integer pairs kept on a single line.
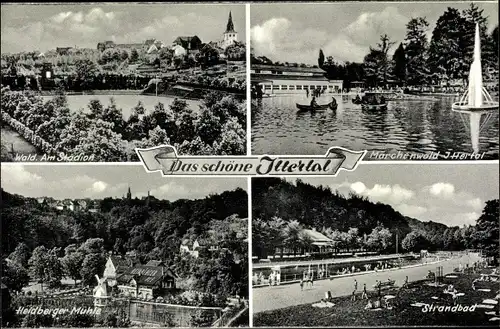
[[186, 89], [125, 262]]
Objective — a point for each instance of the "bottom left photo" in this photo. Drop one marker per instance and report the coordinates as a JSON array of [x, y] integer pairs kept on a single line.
[[114, 246]]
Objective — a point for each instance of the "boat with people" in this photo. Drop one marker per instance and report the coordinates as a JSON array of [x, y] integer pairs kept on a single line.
[[323, 107], [373, 101], [313, 106]]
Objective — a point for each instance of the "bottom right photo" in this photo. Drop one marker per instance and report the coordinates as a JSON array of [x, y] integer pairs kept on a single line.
[[385, 245]]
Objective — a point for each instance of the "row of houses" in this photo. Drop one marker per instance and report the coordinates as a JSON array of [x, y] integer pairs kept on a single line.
[[71, 204], [180, 44]]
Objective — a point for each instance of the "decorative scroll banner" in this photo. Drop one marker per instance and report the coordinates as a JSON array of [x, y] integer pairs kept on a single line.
[[164, 158]]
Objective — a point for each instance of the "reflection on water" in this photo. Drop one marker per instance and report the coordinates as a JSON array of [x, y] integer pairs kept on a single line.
[[415, 126]]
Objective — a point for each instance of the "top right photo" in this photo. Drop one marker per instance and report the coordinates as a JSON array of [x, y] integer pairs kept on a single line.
[[403, 81]]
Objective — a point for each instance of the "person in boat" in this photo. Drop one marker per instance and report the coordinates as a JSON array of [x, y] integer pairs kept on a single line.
[[313, 102], [357, 99]]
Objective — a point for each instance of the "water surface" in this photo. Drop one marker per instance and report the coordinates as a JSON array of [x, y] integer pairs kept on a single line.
[[410, 126]]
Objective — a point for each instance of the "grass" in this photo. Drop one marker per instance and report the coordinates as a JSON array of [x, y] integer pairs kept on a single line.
[[348, 313]]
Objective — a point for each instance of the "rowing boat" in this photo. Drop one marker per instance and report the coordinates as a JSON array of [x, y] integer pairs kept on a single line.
[[323, 107]]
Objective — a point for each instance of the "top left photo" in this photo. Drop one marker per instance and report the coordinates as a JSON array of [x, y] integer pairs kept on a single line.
[[93, 82]]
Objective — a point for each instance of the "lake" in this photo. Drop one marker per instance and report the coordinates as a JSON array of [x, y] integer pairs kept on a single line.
[[410, 126], [124, 102]]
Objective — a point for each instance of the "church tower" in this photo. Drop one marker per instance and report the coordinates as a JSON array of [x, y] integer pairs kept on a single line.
[[230, 35], [129, 194]]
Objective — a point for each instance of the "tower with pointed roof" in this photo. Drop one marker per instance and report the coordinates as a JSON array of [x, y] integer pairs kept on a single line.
[[129, 194], [230, 35]]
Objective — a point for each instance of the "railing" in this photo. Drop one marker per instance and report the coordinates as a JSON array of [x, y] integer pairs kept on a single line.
[[230, 316]]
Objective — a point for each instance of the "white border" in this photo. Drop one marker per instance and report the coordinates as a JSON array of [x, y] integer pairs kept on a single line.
[[249, 94], [250, 264]]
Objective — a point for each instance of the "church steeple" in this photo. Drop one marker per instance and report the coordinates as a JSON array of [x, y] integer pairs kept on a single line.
[[129, 194], [230, 25]]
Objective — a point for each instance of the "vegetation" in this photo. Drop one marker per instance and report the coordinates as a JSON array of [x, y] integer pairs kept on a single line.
[[417, 62], [50, 244], [352, 313], [282, 209], [217, 128]]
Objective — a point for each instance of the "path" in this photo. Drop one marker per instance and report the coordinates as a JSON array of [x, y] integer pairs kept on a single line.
[[276, 297]]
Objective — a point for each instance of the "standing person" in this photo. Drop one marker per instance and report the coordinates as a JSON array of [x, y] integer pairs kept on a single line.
[[364, 294], [405, 285], [355, 288], [307, 93], [301, 283], [312, 279]]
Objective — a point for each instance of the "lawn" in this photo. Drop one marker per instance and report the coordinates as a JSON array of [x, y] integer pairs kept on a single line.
[[348, 313]]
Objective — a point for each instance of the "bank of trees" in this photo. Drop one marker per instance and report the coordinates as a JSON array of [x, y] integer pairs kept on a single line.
[[216, 128], [46, 244], [283, 210], [416, 61]]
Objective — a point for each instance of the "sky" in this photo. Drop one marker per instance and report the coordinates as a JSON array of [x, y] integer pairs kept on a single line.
[[100, 181], [43, 27], [296, 32], [453, 194]]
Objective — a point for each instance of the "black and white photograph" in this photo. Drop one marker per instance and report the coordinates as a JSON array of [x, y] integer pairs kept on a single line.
[[112, 246], [401, 80], [92, 82], [386, 245]]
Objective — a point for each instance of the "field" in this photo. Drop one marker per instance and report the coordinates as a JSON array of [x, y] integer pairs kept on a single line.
[[348, 313]]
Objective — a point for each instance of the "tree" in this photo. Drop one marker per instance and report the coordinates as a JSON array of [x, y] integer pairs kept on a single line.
[[14, 276], [86, 71], [92, 264], [202, 318], [379, 239], [45, 266], [376, 64], [446, 54], [474, 15], [321, 58], [21, 254], [414, 241], [487, 230], [72, 264], [134, 56], [399, 59], [37, 263], [415, 49], [292, 236]]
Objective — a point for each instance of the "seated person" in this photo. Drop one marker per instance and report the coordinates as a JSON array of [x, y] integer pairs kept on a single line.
[[313, 102], [369, 305]]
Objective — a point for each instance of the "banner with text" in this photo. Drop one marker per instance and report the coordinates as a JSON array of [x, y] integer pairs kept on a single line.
[[165, 159]]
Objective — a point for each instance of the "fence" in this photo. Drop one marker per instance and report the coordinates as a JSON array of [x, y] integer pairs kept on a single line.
[[231, 315]]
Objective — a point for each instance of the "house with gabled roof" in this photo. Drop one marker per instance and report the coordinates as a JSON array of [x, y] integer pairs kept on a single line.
[[115, 266], [188, 42], [146, 281]]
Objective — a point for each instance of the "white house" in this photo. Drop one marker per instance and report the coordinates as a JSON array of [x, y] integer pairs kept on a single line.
[[179, 51]]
